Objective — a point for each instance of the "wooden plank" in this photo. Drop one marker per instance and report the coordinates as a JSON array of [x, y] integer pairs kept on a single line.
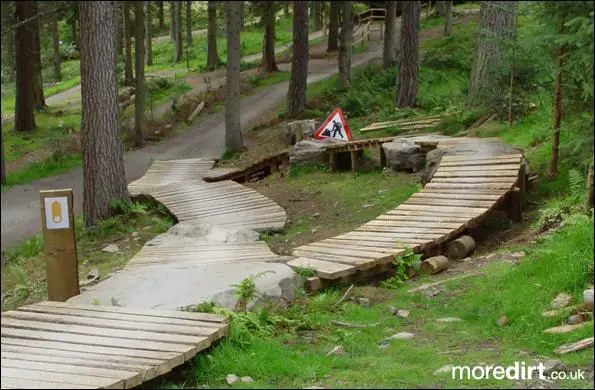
[[474, 157], [405, 231], [85, 380], [186, 349], [21, 383], [370, 254], [352, 246], [130, 378], [443, 210], [459, 185], [171, 359], [421, 218], [105, 332], [471, 180], [407, 223], [483, 163], [323, 269], [365, 243], [473, 168], [196, 330], [450, 202], [484, 174], [145, 312], [360, 263], [446, 195]]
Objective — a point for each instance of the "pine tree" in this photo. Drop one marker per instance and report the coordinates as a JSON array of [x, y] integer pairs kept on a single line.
[[234, 140], [296, 96], [409, 55]]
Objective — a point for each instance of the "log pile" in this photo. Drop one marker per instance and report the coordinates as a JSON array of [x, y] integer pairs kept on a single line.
[[404, 124]]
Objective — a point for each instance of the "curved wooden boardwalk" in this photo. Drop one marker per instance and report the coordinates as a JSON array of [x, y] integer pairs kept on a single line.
[[178, 185], [462, 191]]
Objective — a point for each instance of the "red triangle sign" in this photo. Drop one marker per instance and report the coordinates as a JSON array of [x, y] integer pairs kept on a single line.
[[334, 127]]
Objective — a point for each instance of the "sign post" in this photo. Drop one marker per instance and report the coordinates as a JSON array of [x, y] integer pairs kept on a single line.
[[57, 224]]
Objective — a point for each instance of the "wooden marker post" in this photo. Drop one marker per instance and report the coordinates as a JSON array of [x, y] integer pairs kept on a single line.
[[57, 224]]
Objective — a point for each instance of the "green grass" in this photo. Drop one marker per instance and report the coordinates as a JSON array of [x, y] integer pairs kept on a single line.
[[41, 169], [23, 276], [286, 349]]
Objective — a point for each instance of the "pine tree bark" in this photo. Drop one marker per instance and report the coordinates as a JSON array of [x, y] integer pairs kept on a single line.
[[241, 16], [178, 32], [38, 97], [119, 9], [447, 18], [149, 34], [495, 26], [25, 66], [589, 197], [103, 161], [441, 8], [557, 111], [127, 45], [2, 165], [389, 53], [296, 96], [333, 27], [345, 48], [409, 55], [212, 56], [286, 9], [161, 15], [8, 51], [73, 24], [234, 140], [53, 24], [317, 15], [172, 20], [269, 63], [139, 72], [188, 23]]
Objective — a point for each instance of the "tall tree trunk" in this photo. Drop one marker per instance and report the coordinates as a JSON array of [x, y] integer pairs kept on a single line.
[[178, 26], [441, 8], [38, 97], [389, 53], [286, 9], [2, 165], [345, 46], [495, 26], [317, 15], [212, 56], [161, 15], [172, 20], [557, 111], [119, 9], [589, 201], [8, 41], [268, 53], [139, 73], [188, 23], [408, 63], [296, 96], [55, 46], [73, 24], [447, 17], [127, 45], [25, 66], [104, 179], [333, 27], [241, 16], [149, 35], [234, 141]]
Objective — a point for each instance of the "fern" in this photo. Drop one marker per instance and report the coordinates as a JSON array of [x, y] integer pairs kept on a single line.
[[576, 185], [401, 264]]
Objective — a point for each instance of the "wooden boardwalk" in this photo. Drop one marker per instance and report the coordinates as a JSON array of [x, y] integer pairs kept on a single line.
[[56, 345], [462, 191], [179, 185]]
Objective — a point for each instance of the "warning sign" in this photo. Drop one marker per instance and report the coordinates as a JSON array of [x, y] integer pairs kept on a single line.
[[334, 127]]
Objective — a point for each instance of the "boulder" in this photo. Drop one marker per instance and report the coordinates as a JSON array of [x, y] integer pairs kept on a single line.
[[404, 155], [187, 233], [311, 151], [299, 130]]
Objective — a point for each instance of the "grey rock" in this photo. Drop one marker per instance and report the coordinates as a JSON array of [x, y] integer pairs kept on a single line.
[[306, 127], [401, 154], [403, 313], [134, 234], [93, 274], [444, 370], [561, 300], [449, 319], [111, 248], [170, 286], [392, 310], [588, 298], [338, 350], [212, 234], [246, 379], [311, 151], [232, 379], [551, 365], [574, 320], [364, 301], [517, 255], [401, 336]]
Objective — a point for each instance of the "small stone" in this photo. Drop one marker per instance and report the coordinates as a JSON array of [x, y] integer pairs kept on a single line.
[[316, 215], [523, 353], [551, 365], [392, 310], [588, 298], [403, 313], [502, 321], [449, 319], [364, 301], [466, 260], [561, 300], [517, 255], [366, 205], [338, 350], [111, 248], [575, 319], [232, 379], [444, 370], [134, 234], [402, 336], [313, 231], [93, 274], [246, 379]]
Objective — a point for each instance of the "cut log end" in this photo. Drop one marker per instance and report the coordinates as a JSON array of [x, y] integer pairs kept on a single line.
[[460, 248], [433, 265]]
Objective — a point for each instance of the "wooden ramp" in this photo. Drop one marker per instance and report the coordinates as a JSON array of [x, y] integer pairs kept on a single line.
[[57, 345], [179, 185], [462, 191]]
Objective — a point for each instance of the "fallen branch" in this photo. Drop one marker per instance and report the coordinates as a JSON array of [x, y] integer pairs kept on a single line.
[[196, 111], [573, 347], [344, 296], [349, 325]]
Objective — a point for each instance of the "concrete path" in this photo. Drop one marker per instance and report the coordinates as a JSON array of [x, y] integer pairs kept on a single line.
[[20, 204]]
